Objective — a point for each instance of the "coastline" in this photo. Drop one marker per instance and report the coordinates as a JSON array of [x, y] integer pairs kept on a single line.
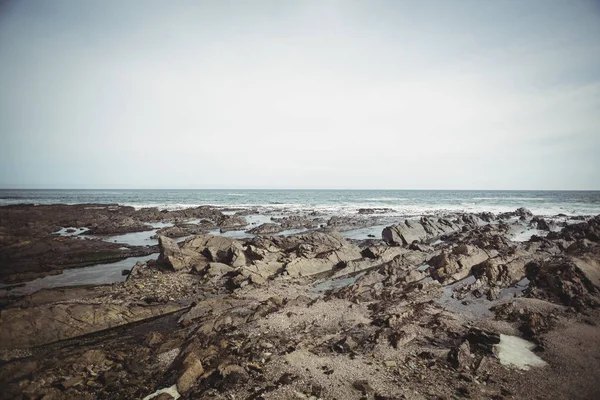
[[366, 305]]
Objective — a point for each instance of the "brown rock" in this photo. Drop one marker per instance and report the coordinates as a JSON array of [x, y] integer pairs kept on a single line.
[[192, 370], [460, 356], [176, 258]]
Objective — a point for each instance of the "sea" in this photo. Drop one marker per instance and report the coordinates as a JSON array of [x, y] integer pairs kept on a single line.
[[341, 202]]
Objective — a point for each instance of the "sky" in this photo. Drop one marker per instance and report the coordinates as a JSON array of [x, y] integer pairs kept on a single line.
[[300, 94]]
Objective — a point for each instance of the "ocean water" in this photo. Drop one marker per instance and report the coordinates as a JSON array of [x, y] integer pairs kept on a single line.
[[398, 202]]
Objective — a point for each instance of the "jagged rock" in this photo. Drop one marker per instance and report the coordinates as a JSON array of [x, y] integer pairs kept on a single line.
[[349, 267], [522, 213], [265, 269], [383, 253], [266, 229], [404, 234], [460, 356], [564, 281], [374, 210], [176, 258], [502, 271], [298, 222], [411, 231], [457, 265], [540, 223], [421, 247], [319, 252], [584, 230], [483, 339], [345, 345], [232, 222], [217, 249], [192, 369], [215, 269]]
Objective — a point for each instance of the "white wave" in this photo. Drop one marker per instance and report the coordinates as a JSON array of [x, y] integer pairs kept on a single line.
[[523, 198], [386, 199]]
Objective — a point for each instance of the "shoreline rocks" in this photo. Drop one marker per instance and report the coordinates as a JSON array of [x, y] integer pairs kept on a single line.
[[319, 315]]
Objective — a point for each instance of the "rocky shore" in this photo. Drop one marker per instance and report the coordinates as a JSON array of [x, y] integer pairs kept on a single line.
[[239, 305]]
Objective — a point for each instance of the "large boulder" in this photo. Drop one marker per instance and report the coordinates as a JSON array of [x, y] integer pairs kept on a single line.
[[404, 233], [563, 280], [457, 265], [218, 249], [502, 271], [319, 252], [410, 230], [176, 258]]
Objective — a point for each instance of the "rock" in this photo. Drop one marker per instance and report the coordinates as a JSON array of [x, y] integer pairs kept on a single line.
[[232, 372], [390, 364], [345, 345], [176, 258], [589, 230], [374, 210], [493, 293], [265, 269], [564, 281], [215, 269], [191, 369], [125, 272], [218, 249], [154, 338], [404, 234], [363, 386], [320, 252], [163, 396], [113, 225], [308, 266], [21, 328], [540, 223], [483, 339], [420, 247], [401, 338], [232, 222], [522, 213], [460, 356], [266, 229], [502, 271], [66, 384], [411, 231], [257, 279], [383, 253], [457, 265], [93, 357]]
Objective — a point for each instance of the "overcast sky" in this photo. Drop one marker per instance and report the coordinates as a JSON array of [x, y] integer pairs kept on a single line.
[[300, 94]]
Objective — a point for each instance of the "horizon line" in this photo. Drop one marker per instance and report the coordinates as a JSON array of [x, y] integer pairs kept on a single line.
[[305, 189]]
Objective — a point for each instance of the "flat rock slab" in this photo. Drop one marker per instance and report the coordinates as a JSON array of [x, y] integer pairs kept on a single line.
[[21, 328]]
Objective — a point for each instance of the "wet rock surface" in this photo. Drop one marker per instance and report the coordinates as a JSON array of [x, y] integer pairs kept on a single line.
[[418, 315]]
